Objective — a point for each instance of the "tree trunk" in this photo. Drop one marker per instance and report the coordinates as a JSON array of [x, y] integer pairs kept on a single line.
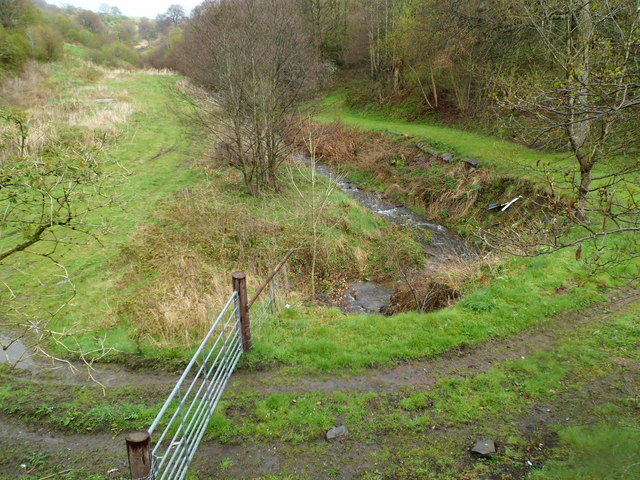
[[585, 186], [580, 32]]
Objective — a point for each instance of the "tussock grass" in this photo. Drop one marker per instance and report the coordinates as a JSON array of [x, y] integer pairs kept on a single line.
[[65, 118], [163, 72], [32, 87], [505, 157], [107, 118], [150, 146], [183, 259], [442, 284]]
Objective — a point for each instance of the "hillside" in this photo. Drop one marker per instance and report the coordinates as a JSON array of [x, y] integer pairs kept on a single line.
[[443, 285]]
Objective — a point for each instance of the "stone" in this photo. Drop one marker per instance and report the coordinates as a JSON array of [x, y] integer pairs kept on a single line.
[[104, 100], [446, 157], [421, 145], [433, 153], [474, 162], [484, 448], [337, 432]]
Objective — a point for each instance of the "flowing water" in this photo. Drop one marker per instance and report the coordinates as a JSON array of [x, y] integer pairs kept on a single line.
[[440, 243]]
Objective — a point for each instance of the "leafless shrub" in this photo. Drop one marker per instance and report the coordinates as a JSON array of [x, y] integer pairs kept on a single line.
[[255, 59]]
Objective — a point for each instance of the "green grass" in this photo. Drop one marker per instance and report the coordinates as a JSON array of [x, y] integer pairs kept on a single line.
[[427, 430], [79, 408], [504, 157], [155, 150], [595, 452], [327, 340]]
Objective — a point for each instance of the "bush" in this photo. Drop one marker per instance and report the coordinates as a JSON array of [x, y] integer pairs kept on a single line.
[[66, 26], [14, 51], [117, 53], [48, 44], [88, 39]]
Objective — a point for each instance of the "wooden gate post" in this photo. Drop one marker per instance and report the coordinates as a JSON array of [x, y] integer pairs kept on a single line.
[[139, 451], [240, 286]]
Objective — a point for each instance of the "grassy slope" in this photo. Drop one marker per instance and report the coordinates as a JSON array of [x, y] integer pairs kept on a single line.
[[498, 154], [156, 150], [524, 294], [153, 147]]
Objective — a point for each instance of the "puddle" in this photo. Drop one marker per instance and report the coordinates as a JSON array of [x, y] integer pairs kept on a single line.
[[15, 352]]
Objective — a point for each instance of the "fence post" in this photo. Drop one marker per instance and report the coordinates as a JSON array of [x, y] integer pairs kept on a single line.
[[240, 286], [139, 451]]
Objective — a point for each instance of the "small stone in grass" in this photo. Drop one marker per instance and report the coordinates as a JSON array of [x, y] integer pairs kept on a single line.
[[484, 448], [337, 432]]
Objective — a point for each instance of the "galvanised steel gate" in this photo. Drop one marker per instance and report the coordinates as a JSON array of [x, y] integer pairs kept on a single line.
[[182, 421], [186, 413]]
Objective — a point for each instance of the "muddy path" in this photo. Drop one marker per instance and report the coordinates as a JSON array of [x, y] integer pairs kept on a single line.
[[465, 361], [24, 447], [351, 457]]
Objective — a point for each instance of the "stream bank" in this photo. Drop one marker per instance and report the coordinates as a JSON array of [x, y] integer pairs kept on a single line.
[[440, 244]]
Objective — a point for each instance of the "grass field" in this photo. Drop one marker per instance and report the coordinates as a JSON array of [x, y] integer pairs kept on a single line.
[[151, 147], [157, 151]]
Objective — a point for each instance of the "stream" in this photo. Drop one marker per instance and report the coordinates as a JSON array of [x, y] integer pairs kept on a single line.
[[440, 244]]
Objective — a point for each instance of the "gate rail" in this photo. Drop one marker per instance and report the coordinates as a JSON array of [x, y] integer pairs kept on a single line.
[[194, 401], [188, 409]]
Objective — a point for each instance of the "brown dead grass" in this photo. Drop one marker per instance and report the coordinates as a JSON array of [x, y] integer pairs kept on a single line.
[[445, 192], [183, 261], [52, 118], [32, 87], [440, 286]]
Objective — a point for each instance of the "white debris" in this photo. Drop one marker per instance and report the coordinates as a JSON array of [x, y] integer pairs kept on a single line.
[[508, 204]]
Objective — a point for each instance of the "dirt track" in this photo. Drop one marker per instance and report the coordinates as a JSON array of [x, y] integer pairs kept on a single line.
[[107, 453]]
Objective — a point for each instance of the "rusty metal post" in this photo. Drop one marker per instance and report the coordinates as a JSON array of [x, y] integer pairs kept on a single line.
[[240, 286], [139, 451]]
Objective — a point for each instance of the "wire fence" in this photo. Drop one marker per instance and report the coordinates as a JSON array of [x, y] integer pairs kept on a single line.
[[268, 308], [195, 397]]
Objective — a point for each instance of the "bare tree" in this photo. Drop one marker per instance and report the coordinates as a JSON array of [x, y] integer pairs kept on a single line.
[[255, 60], [175, 13], [91, 21], [173, 17], [314, 195], [591, 93], [329, 21], [589, 99]]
